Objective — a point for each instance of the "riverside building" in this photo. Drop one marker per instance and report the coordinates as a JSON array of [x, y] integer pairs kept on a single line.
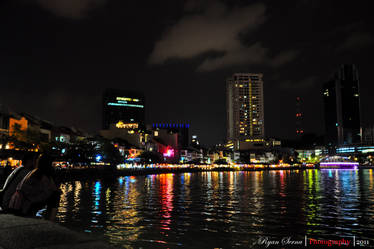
[[245, 108]]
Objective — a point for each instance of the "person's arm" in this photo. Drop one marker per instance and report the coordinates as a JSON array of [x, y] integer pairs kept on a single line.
[[11, 176], [53, 203], [1, 200], [51, 214]]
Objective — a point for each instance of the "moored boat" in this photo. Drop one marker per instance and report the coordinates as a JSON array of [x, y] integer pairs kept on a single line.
[[337, 162]]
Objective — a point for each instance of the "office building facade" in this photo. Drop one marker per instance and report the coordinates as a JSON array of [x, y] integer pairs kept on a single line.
[[124, 109], [368, 135], [341, 97], [245, 107]]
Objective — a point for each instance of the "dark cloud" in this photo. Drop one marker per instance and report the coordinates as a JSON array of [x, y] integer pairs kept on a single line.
[[356, 40], [217, 29], [57, 68], [70, 8], [255, 54], [283, 58]]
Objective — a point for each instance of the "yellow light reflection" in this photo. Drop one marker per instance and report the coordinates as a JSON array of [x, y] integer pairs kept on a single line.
[[125, 213], [312, 202], [77, 199]]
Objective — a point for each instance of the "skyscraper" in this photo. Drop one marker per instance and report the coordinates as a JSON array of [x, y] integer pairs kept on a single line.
[[123, 108], [245, 107], [342, 106]]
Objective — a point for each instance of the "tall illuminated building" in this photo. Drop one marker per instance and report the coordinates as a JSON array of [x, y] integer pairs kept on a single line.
[[245, 107], [341, 97], [123, 108]]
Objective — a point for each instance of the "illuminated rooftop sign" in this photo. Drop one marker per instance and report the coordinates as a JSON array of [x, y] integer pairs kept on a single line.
[[126, 102], [122, 125], [254, 140], [120, 99], [170, 125], [169, 152]]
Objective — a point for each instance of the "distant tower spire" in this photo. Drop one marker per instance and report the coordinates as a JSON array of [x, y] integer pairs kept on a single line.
[[299, 118]]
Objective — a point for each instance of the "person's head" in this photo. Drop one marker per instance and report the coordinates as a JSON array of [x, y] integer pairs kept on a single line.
[[44, 165], [29, 160]]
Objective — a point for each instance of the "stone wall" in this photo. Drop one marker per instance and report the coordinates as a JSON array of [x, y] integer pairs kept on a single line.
[[21, 233]]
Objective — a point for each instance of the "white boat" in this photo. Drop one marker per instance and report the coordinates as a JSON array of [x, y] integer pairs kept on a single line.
[[337, 162]]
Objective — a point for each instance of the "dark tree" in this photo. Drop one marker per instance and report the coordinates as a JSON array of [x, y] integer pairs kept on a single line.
[[151, 157]]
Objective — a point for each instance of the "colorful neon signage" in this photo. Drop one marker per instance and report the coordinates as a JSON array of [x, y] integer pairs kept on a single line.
[[124, 101], [127, 99], [124, 104], [169, 152], [122, 125]]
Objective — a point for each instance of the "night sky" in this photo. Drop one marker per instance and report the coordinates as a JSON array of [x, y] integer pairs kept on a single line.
[[57, 57]]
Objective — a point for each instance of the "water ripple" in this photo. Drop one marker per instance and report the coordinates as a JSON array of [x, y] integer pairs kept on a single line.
[[226, 209]]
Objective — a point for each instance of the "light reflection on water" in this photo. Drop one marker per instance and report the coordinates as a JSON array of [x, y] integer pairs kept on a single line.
[[221, 209]]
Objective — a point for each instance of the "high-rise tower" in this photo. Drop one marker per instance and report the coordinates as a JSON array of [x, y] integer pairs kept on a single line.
[[342, 106], [123, 108], [245, 107]]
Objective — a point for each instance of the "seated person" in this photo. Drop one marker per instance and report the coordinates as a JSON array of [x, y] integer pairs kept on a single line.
[[38, 190], [10, 185]]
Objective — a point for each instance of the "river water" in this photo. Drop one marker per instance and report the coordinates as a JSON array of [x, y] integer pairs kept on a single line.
[[221, 209]]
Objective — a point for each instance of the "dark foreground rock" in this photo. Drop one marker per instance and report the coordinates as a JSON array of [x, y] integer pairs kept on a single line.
[[21, 233]]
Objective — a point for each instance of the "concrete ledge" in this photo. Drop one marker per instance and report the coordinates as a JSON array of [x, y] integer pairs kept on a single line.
[[21, 233]]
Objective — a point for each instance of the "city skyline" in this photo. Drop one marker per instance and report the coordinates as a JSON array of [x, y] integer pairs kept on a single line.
[[57, 59]]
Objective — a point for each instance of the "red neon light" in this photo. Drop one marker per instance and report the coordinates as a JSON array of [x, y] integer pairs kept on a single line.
[[169, 152], [132, 153]]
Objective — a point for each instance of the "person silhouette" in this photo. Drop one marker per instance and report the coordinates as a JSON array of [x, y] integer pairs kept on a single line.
[[14, 178], [38, 190]]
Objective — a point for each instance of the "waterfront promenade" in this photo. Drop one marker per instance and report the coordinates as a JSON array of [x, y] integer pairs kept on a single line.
[[67, 174], [64, 174], [25, 233]]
